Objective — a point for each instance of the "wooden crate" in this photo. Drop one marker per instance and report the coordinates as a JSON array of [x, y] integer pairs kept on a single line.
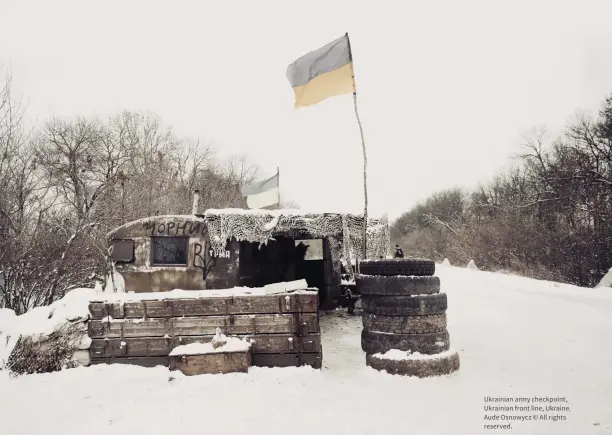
[[284, 328], [314, 360], [304, 323], [217, 305], [161, 346], [211, 363]]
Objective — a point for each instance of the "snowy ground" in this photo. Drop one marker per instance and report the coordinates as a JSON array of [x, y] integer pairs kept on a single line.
[[516, 337]]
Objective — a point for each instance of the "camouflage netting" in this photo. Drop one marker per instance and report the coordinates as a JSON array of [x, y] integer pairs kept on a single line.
[[259, 226]]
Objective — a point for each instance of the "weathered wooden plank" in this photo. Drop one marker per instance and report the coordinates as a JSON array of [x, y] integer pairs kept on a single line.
[[308, 303], [285, 343], [107, 348], [260, 324], [130, 328], [98, 310], [130, 347], [270, 304], [159, 308], [211, 363], [261, 304], [199, 307], [143, 346], [133, 309], [311, 343], [269, 343], [158, 327], [314, 360], [141, 361], [303, 324], [306, 323], [239, 324], [197, 325]]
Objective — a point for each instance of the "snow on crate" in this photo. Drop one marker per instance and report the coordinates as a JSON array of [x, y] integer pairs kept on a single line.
[[232, 344], [298, 287], [400, 355]]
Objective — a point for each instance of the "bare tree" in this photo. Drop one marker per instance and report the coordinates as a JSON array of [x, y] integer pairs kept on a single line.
[[549, 217], [64, 187]]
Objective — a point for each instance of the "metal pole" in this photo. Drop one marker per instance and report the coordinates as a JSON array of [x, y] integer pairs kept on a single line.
[[365, 181], [278, 181], [365, 159]]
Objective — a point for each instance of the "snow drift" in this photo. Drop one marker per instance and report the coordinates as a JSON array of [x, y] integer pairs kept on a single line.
[[516, 337], [472, 265], [47, 338], [606, 281]]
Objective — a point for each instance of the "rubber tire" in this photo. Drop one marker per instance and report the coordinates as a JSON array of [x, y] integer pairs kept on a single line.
[[404, 325], [405, 305], [379, 342], [398, 267], [397, 285], [420, 368]]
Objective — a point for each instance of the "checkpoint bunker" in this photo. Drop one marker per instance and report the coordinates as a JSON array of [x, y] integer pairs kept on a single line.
[[227, 248]]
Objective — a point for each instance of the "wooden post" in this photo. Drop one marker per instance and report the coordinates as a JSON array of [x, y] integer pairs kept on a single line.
[[196, 202], [278, 181], [365, 159]]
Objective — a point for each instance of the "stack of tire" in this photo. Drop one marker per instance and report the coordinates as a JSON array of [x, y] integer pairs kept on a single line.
[[404, 318]]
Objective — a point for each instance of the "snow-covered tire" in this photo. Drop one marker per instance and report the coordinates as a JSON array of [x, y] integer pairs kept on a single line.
[[398, 266], [444, 364], [405, 305], [429, 344], [379, 285], [404, 324]]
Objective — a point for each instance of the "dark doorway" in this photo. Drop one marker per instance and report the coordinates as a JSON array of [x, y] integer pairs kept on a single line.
[[283, 259], [262, 264], [309, 263]]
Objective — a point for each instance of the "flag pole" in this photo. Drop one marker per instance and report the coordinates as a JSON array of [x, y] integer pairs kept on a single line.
[[278, 181], [365, 158]]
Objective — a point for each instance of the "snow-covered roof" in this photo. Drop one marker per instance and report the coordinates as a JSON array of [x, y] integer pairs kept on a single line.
[[280, 212], [261, 226]]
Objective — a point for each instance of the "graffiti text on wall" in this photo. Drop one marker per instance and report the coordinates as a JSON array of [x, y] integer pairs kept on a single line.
[[175, 228], [204, 265], [199, 254], [214, 253]]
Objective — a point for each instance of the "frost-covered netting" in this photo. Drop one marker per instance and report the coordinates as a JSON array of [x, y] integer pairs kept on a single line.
[[260, 226], [377, 238]]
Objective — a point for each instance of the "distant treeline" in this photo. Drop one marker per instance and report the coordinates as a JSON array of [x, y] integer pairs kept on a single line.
[[549, 217]]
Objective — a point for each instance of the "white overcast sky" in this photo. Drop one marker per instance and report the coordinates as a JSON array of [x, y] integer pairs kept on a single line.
[[445, 88]]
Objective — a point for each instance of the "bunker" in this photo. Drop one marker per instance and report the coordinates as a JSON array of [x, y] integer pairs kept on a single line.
[[227, 248]]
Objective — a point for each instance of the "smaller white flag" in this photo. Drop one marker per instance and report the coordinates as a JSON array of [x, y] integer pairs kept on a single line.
[[262, 193]]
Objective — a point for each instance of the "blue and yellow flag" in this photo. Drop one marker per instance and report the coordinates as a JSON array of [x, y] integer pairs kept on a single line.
[[323, 73]]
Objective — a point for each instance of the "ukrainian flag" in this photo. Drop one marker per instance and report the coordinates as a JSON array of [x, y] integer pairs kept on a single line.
[[323, 73]]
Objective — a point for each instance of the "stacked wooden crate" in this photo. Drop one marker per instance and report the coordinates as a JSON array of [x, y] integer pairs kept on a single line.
[[283, 328]]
